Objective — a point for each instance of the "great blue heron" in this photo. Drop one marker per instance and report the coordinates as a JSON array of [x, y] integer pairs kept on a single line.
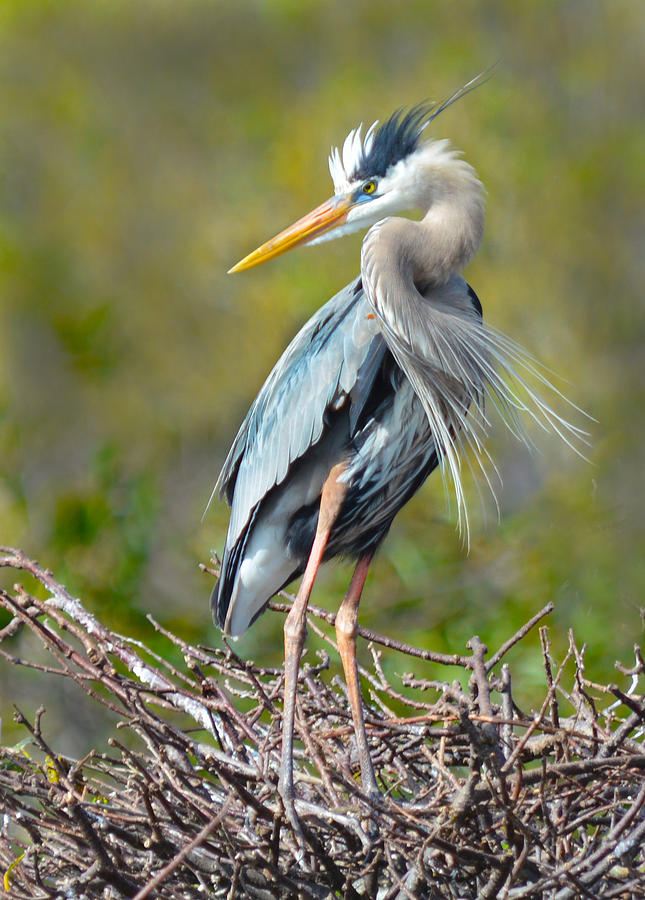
[[383, 384]]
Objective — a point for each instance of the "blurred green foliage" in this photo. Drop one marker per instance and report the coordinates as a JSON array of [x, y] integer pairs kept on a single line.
[[146, 147]]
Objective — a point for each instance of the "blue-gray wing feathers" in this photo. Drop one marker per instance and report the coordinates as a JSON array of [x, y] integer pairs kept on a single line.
[[343, 351]]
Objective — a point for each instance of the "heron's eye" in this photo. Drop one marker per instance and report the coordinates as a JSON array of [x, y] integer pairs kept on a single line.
[[369, 187]]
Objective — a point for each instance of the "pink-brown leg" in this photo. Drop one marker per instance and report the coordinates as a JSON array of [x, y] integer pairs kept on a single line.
[[295, 629], [346, 629]]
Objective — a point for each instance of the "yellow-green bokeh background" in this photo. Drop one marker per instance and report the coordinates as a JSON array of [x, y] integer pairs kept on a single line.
[[145, 147]]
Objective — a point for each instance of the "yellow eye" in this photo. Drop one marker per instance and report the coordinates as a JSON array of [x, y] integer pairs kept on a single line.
[[369, 187]]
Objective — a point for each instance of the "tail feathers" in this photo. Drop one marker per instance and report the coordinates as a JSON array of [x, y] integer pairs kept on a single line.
[[221, 595], [263, 558], [251, 574]]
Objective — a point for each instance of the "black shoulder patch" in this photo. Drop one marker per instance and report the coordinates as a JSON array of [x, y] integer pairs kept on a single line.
[[477, 305]]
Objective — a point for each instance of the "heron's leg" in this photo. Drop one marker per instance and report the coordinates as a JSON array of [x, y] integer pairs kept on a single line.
[[295, 628], [346, 629]]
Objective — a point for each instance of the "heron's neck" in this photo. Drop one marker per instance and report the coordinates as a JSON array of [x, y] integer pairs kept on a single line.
[[453, 226], [445, 240]]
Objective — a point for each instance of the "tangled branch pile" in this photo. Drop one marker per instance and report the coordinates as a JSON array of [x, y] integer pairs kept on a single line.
[[480, 799]]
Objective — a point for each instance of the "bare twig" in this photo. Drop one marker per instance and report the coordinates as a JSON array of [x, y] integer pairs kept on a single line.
[[187, 805]]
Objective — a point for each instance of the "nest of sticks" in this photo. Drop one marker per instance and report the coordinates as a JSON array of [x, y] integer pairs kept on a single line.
[[480, 798]]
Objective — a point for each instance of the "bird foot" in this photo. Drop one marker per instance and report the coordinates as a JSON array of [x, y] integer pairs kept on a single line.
[[288, 797], [369, 784], [294, 821], [375, 800]]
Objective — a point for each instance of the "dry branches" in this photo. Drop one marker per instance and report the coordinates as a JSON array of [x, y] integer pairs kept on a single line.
[[479, 798]]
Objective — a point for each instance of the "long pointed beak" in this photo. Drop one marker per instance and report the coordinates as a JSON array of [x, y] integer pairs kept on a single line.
[[323, 218]]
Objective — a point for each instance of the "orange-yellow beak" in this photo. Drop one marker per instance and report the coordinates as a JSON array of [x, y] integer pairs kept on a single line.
[[328, 215]]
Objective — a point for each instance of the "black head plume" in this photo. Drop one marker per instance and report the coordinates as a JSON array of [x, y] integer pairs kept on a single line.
[[392, 141], [398, 137]]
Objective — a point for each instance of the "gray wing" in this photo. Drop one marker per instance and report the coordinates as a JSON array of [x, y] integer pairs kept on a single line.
[[332, 359]]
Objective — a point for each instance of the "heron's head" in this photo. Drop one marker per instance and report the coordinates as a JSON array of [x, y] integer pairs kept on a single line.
[[386, 172]]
